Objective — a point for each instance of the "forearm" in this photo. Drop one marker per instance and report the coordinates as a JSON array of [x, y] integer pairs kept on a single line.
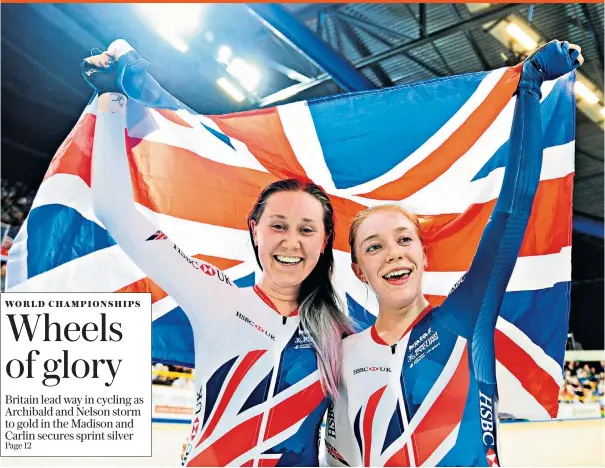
[[522, 173], [112, 194]]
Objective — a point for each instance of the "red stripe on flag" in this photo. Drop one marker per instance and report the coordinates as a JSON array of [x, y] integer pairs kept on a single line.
[[440, 160], [293, 409], [263, 133], [445, 413], [535, 380], [452, 241], [345, 210], [234, 382], [233, 444], [368, 421], [173, 117], [549, 228], [233, 190], [74, 155], [248, 463], [168, 180], [435, 301], [145, 285]]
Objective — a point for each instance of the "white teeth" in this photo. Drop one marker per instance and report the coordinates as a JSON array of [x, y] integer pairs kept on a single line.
[[406, 271], [284, 259]]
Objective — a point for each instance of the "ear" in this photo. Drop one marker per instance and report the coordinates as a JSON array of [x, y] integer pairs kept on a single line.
[[358, 272], [325, 243], [254, 228], [426, 259]]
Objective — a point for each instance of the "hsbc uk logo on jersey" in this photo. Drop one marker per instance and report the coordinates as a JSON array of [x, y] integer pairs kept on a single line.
[[241, 316], [204, 267], [371, 369]]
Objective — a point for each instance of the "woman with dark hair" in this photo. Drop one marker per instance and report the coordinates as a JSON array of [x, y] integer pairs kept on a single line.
[[266, 357], [419, 386]]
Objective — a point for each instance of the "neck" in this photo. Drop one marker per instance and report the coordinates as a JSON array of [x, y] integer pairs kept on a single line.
[[284, 298], [392, 323]]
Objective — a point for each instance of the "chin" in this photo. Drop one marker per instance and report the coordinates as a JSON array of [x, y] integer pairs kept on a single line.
[[291, 279], [400, 301]]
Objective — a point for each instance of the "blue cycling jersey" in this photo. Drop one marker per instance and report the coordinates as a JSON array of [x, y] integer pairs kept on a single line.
[[431, 398]]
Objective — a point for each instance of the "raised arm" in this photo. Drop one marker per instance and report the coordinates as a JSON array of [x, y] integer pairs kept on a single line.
[[472, 308], [190, 281]]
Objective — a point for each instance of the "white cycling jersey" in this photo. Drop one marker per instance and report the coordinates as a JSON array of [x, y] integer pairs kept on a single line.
[[259, 401]]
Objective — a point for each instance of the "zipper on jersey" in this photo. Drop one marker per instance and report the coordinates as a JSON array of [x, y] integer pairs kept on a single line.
[[401, 392], [284, 319], [272, 384]]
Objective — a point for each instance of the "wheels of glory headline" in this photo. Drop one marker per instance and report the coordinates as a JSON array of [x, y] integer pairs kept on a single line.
[[40, 327]]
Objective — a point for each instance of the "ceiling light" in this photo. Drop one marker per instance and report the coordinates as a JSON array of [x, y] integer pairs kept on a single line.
[[173, 21], [585, 93], [230, 89], [521, 36], [246, 74], [224, 54]]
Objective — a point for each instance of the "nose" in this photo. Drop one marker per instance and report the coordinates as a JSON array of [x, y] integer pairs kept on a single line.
[[291, 241], [394, 252]]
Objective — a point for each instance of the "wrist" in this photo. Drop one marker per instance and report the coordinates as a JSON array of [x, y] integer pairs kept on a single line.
[[531, 78], [114, 103]]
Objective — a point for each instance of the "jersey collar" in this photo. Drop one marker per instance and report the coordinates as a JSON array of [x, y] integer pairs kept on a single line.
[[376, 337], [267, 300]]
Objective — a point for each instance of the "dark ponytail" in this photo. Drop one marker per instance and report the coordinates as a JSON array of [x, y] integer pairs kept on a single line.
[[320, 309]]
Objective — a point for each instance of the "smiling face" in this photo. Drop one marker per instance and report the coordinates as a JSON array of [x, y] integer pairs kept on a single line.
[[390, 257], [290, 235]]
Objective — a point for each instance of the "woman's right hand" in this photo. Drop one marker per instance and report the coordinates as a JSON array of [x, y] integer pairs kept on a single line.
[[101, 71], [102, 60]]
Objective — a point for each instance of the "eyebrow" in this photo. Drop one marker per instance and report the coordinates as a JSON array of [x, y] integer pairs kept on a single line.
[[306, 220], [373, 236], [376, 236]]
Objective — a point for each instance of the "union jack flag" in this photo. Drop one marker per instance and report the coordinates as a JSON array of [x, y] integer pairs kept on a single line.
[[438, 147]]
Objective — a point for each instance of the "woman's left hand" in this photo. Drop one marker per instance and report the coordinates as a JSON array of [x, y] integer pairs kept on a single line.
[[556, 59]]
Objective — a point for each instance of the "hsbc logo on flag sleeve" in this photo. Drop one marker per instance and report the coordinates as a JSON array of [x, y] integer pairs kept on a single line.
[[488, 412], [204, 267], [195, 425], [492, 458], [331, 421]]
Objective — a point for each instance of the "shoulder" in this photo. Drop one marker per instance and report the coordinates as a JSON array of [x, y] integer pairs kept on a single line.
[[356, 341]]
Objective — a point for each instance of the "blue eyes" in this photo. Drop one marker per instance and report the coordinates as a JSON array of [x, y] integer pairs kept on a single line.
[[402, 240]]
